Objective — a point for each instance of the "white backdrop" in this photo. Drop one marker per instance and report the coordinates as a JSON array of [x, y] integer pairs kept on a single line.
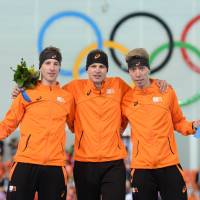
[[21, 22]]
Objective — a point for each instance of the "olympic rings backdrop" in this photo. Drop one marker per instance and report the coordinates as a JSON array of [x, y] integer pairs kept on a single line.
[[169, 30], [113, 46]]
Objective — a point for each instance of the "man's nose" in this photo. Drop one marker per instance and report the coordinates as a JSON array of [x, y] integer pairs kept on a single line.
[[137, 72], [97, 69], [52, 67]]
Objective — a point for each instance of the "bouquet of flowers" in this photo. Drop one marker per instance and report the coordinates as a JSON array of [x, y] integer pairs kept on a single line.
[[25, 77]]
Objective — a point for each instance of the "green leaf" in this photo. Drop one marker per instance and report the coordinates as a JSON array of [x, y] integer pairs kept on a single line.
[[20, 83], [25, 76]]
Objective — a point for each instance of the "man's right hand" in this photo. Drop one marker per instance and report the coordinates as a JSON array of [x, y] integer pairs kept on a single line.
[[16, 92]]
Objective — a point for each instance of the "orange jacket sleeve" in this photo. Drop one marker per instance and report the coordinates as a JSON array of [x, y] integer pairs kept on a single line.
[[70, 88], [70, 116], [12, 117], [124, 121], [179, 121]]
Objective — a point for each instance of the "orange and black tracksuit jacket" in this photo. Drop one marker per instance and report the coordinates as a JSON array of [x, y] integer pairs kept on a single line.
[[41, 124], [154, 117], [98, 120]]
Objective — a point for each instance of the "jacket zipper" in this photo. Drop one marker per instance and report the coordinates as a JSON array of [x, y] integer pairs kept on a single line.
[[170, 146], [27, 142], [62, 149], [79, 144]]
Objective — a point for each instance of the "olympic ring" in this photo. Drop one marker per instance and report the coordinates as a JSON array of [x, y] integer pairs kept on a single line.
[[190, 100], [76, 71], [188, 46], [86, 50], [145, 14], [183, 38], [69, 14]]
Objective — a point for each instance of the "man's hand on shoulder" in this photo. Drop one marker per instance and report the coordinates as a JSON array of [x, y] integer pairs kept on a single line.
[[162, 84]]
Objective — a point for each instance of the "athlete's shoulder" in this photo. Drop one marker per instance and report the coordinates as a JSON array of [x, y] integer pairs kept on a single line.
[[74, 83], [117, 80]]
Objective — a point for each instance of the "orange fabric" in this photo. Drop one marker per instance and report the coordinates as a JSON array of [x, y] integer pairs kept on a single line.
[[41, 123], [98, 120], [153, 117]]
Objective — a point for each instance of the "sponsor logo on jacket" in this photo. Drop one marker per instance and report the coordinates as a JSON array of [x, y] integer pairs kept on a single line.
[[60, 99], [157, 99], [135, 103], [110, 91], [39, 98]]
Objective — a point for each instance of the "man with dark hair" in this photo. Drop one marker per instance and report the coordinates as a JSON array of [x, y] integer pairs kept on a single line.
[[153, 118], [40, 158], [98, 150]]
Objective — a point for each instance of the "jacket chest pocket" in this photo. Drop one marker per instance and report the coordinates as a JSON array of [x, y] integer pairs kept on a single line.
[[24, 142]]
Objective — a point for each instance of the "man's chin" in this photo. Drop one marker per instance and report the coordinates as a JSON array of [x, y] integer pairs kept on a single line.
[[97, 80], [52, 80], [140, 85]]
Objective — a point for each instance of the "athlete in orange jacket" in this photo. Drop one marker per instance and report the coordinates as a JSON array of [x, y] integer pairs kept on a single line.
[[153, 118], [99, 151], [40, 158]]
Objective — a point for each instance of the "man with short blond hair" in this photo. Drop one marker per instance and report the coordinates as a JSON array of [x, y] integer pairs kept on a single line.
[[153, 117]]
